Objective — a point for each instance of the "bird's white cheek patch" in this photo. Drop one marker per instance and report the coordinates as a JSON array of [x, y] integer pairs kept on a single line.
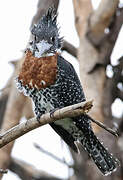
[[42, 46]]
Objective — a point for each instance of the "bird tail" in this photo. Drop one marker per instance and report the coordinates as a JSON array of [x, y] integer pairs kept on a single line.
[[102, 158]]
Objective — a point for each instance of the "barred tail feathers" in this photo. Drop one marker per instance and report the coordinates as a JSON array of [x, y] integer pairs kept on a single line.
[[102, 158]]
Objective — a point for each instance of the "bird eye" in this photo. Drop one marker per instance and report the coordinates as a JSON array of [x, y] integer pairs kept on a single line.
[[31, 42], [52, 39], [35, 38]]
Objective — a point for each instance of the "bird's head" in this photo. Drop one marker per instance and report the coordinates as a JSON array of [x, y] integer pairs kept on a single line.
[[46, 40]]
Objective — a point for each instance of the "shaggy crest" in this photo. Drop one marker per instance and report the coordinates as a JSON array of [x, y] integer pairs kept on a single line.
[[47, 29]]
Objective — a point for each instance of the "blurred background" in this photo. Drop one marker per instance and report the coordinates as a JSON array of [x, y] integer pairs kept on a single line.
[[93, 34]]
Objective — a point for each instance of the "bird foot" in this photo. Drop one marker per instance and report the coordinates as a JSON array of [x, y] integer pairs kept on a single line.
[[38, 119], [52, 112]]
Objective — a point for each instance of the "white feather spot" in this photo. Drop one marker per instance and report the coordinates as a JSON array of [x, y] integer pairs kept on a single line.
[[43, 82]]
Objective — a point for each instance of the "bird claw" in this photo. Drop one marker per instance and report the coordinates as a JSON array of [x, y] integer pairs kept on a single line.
[[38, 119], [52, 112]]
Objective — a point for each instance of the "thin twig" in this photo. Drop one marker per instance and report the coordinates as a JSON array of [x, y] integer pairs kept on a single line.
[[51, 155], [115, 133], [70, 48], [62, 144]]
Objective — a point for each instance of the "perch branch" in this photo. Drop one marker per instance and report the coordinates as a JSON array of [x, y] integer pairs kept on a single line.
[[23, 128]]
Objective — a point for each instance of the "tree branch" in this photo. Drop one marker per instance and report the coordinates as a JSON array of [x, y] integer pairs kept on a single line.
[[69, 111], [28, 172], [23, 128], [52, 155], [115, 133], [3, 102], [69, 48]]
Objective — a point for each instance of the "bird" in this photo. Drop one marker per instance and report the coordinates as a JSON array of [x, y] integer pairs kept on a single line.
[[52, 83]]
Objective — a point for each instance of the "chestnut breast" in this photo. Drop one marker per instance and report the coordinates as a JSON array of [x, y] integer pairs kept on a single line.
[[38, 72]]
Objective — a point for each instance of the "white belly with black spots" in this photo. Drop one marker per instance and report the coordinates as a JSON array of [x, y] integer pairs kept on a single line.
[[46, 104]]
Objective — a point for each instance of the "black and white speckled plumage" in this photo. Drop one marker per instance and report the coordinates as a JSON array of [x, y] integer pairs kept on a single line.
[[67, 90]]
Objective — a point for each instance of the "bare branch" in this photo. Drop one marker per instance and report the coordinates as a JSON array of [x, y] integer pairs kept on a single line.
[[23, 128], [115, 133], [3, 102], [69, 111], [69, 48], [52, 155], [28, 172]]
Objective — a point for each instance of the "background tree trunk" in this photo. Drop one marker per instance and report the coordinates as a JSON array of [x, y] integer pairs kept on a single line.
[[93, 60]]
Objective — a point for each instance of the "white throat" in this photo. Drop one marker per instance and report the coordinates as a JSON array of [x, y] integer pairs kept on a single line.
[[42, 48]]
